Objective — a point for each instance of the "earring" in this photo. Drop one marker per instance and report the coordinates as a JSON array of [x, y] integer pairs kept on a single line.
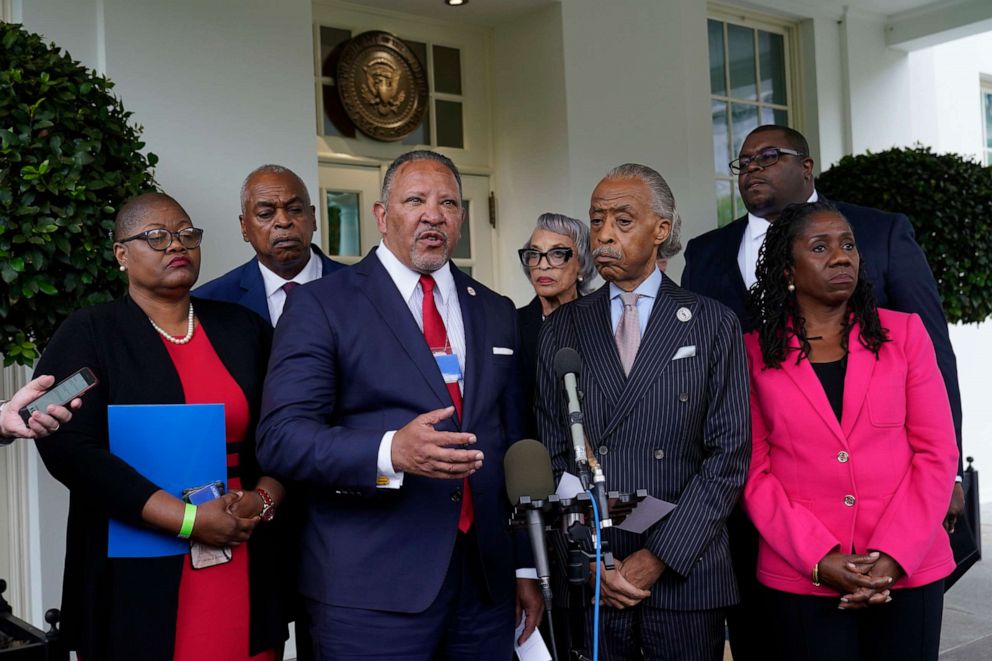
[[791, 287], [580, 278], [122, 268]]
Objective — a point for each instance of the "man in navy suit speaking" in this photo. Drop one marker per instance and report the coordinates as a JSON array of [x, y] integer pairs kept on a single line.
[[278, 221], [393, 393], [665, 408], [774, 170]]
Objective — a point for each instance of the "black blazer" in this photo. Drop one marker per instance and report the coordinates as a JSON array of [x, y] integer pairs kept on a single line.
[[896, 267], [678, 426], [126, 608], [529, 320]]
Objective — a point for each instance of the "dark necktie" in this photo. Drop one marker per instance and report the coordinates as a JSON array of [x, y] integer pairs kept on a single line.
[[289, 286], [437, 337]]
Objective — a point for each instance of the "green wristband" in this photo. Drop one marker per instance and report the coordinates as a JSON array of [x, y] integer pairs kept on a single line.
[[189, 517]]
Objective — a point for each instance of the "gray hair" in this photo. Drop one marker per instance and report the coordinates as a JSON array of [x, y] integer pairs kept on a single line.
[[662, 201], [417, 155], [578, 232], [270, 168]]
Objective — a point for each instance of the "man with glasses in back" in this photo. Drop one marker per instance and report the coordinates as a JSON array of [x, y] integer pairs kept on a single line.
[[774, 169]]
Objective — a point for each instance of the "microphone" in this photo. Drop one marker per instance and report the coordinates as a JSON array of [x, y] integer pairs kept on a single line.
[[568, 366], [528, 473]]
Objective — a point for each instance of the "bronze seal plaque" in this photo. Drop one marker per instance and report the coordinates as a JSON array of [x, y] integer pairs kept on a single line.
[[382, 86]]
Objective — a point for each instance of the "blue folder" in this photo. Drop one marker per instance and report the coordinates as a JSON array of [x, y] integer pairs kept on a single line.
[[176, 446]]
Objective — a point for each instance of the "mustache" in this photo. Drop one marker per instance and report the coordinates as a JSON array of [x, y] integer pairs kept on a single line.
[[606, 251], [430, 230]]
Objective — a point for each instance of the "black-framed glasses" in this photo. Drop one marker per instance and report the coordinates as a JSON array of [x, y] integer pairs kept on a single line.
[[762, 159], [161, 239], [556, 256]]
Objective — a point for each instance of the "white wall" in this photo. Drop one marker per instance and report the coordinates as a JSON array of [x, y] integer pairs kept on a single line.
[[220, 88]]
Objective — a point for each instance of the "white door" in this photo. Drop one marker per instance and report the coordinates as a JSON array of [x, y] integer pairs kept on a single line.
[[348, 230]]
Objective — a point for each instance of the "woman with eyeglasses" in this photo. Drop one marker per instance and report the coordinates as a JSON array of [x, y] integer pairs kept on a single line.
[[556, 261], [157, 345]]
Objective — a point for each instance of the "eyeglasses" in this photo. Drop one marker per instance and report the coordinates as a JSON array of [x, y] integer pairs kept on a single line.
[[555, 256], [161, 239], [762, 159]]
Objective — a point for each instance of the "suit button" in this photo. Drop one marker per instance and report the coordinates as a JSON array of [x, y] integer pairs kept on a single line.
[[842, 457], [603, 450], [683, 397], [456, 496], [849, 501], [659, 454]]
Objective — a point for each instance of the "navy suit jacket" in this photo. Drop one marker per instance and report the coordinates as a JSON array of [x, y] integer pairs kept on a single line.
[[679, 428], [244, 285], [348, 365], [896, 267]]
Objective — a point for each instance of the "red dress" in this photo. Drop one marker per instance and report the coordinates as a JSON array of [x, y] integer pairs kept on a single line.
[[213, 618]]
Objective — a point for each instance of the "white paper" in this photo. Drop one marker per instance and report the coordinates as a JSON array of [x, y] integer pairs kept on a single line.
[[648, 512], [534, 648], [569, 486]]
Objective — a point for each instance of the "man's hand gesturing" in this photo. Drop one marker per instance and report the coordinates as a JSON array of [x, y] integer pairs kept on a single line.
[[421, 450]]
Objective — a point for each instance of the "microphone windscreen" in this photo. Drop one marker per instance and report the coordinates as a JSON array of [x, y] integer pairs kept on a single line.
[[528, 471], [567, 361]]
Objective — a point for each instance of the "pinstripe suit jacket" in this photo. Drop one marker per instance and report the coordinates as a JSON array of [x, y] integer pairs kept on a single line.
[[678, 428]]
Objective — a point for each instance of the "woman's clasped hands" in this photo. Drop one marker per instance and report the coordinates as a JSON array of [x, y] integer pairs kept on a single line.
[[864, 580]]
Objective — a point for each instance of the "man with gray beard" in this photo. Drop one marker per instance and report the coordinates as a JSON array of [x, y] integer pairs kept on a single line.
[[665, 408], [393, 392]]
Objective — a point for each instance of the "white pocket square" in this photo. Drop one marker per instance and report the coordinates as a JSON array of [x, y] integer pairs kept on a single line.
[[685, 352], [502, 351]]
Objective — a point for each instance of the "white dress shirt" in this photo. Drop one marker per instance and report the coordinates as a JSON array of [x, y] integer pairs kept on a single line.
[[753, 239], [407, 281], [275, 297]]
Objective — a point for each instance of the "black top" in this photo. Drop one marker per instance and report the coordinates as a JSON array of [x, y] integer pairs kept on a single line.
[[125, 608], [831, 376], [529, 319]]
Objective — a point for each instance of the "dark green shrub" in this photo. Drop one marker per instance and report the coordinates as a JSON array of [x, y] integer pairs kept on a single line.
[[68, 159], [949, 201]]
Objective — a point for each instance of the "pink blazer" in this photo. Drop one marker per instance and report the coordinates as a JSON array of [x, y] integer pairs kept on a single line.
[[881, 479]]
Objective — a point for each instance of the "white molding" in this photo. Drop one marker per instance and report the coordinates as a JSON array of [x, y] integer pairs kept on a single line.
[[6, 11]]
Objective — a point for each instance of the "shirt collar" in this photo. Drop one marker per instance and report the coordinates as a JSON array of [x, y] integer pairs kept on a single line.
[[758, 227], [274, 282], [648, 288], [406, 279]]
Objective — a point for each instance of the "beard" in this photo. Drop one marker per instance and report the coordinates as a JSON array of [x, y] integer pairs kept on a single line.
[[428, 262]]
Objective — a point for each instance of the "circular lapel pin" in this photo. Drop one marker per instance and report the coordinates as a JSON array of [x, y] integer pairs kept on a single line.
[[683, 314], [470, 290]]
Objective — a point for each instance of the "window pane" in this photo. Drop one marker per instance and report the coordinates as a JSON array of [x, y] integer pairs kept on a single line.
[[721, 141], [745, 120], [718, 85], [467, 270], [419, 49], [740, 45], [343, 216], [336, 121], [331, 41], [739, 208], [464, 248], [422, 136], [988, 119], [774, 116], [724, 203], [772, 49], [449, 123], [447, 70]]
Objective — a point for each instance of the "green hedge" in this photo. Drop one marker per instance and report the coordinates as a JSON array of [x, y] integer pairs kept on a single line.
[[68, 158], [949, 201]]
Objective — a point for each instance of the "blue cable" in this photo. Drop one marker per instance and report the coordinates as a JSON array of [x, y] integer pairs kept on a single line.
[[599, 547]]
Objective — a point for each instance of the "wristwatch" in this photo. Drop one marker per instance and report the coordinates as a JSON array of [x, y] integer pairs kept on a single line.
[[268, 505]]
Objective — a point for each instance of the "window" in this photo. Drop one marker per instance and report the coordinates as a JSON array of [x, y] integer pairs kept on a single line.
[[749, 86], [443, 124], [987, 120]]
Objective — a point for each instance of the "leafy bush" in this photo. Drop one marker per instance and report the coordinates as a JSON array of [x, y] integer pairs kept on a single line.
[[949, 201], [68, 159]]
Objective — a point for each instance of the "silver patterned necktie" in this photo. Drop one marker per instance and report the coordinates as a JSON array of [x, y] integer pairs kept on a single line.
[[628, 334]]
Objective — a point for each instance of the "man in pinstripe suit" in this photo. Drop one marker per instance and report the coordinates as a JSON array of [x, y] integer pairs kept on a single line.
[[665, 405]]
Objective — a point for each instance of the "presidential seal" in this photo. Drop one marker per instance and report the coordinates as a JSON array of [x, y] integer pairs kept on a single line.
[[382, 86]]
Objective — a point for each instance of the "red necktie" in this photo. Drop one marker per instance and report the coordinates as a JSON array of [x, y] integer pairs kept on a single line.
[[289, 286], [437, 337]]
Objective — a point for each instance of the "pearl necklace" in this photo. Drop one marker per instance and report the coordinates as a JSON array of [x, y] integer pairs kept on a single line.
[[177, 340]]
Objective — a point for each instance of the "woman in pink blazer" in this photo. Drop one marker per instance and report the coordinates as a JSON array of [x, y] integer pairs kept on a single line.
[[853, 458]]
